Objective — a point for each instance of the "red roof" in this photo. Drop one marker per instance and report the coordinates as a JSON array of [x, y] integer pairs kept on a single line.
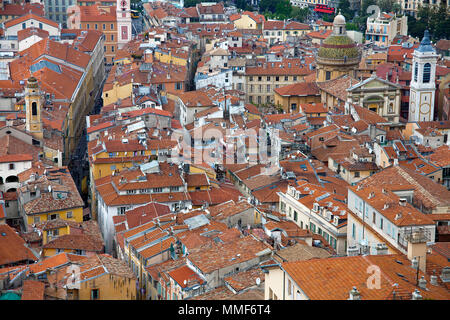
[[15, 158], [141, 112], [30, 16], [28, 32], [101, 126], [13, 247], [184, 275], [16, 10], [33, 290]]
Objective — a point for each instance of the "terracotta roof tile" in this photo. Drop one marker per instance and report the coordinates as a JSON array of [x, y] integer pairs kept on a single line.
[[33, 290], [14, 249], [333, 278]]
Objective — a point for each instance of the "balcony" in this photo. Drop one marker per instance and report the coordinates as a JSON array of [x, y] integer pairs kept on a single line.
[[376, 32]]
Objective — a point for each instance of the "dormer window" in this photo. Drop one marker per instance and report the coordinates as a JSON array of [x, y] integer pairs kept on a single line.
[[316, 207]]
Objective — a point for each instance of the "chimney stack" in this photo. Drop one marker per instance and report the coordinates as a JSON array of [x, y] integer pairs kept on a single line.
[[422, 283], [354, 294], [417, 250], [433, 280], [416, 295]]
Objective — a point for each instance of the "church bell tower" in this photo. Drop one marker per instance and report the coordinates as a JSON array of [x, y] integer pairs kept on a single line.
[[123, 16], [33, 106], [423, 82]]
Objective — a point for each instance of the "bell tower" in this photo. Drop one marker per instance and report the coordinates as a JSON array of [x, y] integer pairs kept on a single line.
[[123, 17], [423, 82], [33, 105]]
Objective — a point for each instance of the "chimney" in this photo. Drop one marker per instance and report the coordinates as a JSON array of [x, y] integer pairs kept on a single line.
[[354, 294], [433, 280], [417, 250], [416, 295], [422, 283]]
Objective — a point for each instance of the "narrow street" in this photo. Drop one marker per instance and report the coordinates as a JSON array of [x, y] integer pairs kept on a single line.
[[79, 164]]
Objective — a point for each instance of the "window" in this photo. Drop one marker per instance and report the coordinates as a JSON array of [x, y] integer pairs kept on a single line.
[[112, 48], [112, 26], [40, 25], [381, 223], [293, 106], [259, 78], [53, 232], [426, 72], [24, 26], [95, 294], [277, 78], [104, 26], [353, 231], [374, 217], [289, 287], [268, 78], [357, 174], [286, 78], [327, 75], [37, 219], [69, 215], [157, 189], [295, 215], [11, 166], [87, 26], [416, 70], [34, 109], [96, 26], [53, 216]]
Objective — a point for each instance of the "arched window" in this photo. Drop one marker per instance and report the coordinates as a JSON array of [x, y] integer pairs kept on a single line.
[[34, 109], [12, 179], [416, 71], [426, 72]]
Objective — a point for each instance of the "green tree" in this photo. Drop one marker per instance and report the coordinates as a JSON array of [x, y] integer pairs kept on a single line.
[[283, 8], [243, 4], [344, 8], [300, 14], [191, 3], [268, 5], [327, 17], [386, 5], [435, 18]]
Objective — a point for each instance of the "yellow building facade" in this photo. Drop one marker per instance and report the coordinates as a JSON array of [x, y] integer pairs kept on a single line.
[[170, 58], [115, 92], [72, 214]]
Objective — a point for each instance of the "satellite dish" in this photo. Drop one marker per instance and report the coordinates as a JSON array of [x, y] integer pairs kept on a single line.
[[258, 281]]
